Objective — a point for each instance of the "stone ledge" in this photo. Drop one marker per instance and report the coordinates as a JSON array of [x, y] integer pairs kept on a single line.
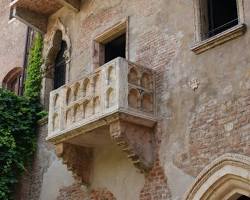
[[219, 39], [43, 121], [67, 134]]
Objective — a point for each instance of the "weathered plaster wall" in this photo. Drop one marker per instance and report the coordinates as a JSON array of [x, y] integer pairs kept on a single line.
[[47, 175], [195, 127], [12, 43], [113, 170]]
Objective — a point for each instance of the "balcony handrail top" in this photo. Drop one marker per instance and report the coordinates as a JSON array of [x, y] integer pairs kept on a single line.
[[96, 71]]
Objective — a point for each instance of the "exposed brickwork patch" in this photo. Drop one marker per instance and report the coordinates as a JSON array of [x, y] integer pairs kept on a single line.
[[216, 129], [77, 159], [101, 194], [155, 187], [156, 49], [78, 192], [73, 192]]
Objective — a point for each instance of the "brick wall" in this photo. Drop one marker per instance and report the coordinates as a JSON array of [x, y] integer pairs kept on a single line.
[[217, 128], [155, 187], [79, 192], [73, 192], [100, 194]]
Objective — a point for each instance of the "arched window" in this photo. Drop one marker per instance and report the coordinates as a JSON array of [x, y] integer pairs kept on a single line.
[[12, 80], [56, 61], [60, 66], [56, 65]]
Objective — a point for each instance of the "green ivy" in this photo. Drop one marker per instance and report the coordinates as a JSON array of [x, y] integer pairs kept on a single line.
[[34, 75], [18, 117]]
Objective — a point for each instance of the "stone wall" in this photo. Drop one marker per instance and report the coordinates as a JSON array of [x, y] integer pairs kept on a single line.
[[12, 43], [202, 100]]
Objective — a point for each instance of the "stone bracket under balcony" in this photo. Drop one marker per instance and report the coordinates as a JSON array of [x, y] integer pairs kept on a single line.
[[78, 160], [136, 141], [114, 105], [134, 136], [35, 13]]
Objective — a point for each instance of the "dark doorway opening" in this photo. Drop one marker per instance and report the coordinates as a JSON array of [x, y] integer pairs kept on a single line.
[[243, 198], [222, 15], [60, 66], [115, 48]]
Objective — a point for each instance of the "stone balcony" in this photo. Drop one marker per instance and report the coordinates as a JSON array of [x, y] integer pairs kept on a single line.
[[116, 102], [35, 13]]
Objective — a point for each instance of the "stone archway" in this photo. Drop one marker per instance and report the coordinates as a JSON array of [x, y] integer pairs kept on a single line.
[[52, 46], [12, 80], [227, 178]]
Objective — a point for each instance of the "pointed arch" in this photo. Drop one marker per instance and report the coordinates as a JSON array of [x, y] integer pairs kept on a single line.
[[225, 178], [58, 34], [54, 43]]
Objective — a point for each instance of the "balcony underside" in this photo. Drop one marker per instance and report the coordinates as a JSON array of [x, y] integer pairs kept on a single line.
[[35, 13], [134, 135], [83, 129]]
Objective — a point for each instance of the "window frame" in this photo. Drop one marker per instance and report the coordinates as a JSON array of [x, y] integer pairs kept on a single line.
[[199, 14], [98, 58], [203, 44]]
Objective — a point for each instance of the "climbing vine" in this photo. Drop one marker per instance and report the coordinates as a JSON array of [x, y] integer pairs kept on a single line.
[[34, 75], [18, 117]]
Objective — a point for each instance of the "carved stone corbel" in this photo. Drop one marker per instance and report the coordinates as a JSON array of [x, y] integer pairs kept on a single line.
[[136, 141], [78, 160]]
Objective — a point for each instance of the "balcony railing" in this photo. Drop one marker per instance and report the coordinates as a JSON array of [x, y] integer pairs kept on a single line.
[[116, 87], [35, 13]]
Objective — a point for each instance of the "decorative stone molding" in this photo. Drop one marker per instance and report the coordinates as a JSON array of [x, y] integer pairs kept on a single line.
[[224, 178], [194, 84], [51, 49], [54, 40], [78, 160], [218, 39]]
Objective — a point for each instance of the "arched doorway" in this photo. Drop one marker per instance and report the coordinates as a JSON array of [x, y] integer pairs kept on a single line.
[[239, 196], [243, 197], [12, 80], [227, 178]]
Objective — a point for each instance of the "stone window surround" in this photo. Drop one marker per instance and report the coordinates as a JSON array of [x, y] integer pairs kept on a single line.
[[202, 45], [107, 35], [49, 53]]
